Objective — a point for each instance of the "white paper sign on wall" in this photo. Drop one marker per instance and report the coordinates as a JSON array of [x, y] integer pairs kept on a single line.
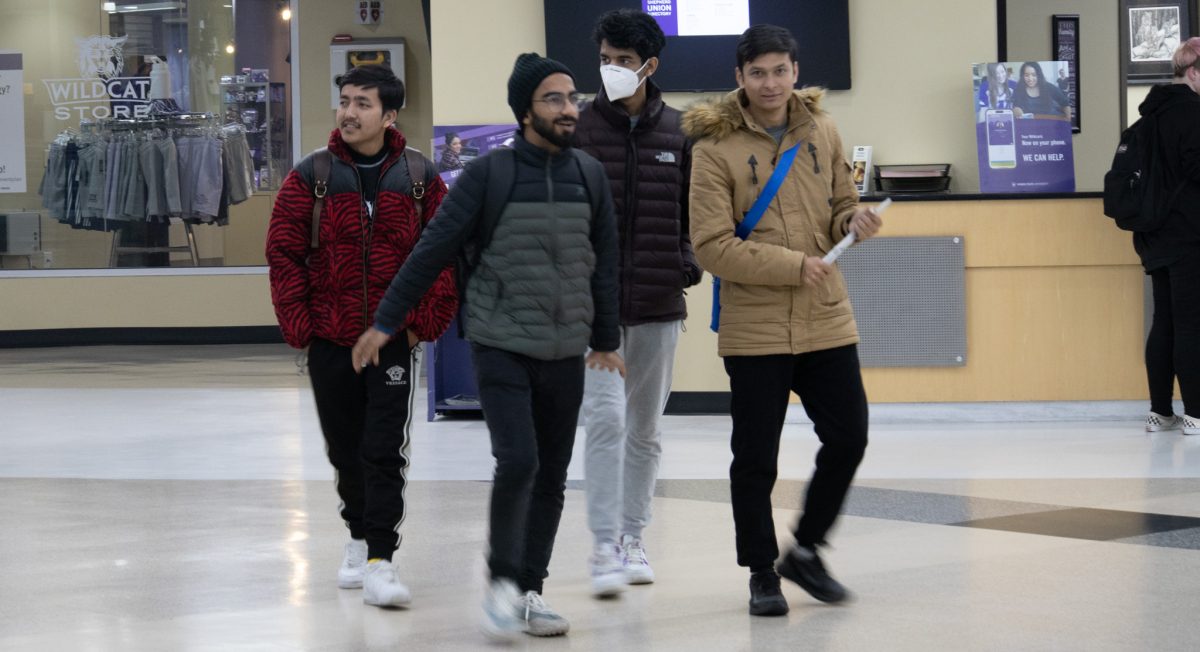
[[12, 114]]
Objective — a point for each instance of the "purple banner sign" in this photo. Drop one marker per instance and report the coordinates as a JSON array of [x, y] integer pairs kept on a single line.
[[666, 13]]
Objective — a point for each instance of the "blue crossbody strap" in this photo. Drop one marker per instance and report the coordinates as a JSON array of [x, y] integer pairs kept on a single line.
[[756, 212], [768, 194]]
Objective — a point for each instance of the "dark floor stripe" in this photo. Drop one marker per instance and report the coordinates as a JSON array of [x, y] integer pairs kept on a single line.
[[1087, 523], [1090, 524]]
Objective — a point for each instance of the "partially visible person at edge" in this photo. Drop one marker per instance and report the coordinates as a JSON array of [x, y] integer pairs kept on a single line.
[[369, 224], [450, 160], [1037, 96], [786, 324], [1171, 254], [542, 292], [648, 161]]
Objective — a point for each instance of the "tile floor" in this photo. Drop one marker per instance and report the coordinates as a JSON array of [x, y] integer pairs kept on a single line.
[[178, 498]]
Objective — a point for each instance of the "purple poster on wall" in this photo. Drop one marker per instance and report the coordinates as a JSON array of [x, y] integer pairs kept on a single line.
[[456, 145], [1023, 128]]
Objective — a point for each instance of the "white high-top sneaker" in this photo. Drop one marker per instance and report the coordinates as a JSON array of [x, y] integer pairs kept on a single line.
[[354, 564], [608, 575], [633, 557], [382, 586]]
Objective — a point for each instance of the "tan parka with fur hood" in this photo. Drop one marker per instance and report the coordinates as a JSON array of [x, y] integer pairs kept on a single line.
[[765, 307]]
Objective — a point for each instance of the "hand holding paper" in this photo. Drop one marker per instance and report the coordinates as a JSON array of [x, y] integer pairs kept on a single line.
[[845, 242]]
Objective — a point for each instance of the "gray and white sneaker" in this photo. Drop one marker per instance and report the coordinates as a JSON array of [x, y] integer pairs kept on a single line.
[[354, 565], [382, 586], [541, 620], [502, 611], [633, 557], [1156, 422], [1191, 425], [608, 574]]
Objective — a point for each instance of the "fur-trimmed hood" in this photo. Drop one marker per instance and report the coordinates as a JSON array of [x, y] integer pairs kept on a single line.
[[718, 118]]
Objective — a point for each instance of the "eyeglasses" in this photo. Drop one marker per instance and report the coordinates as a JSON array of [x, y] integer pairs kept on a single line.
[[558, 101]]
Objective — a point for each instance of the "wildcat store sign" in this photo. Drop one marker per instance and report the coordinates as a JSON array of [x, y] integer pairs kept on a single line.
[[98, 93]]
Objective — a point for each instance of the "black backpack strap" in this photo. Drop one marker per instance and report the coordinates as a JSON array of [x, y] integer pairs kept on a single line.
[[322, 163], [501, 175], [593, 180], [416, 173]]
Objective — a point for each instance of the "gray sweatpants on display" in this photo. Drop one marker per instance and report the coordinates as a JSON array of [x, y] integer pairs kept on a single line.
[[623, 439]]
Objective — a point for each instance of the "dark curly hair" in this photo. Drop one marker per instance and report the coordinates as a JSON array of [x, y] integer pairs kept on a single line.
[[630, 29]]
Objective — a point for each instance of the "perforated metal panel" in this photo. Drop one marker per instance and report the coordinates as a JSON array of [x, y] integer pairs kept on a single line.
[[909, 301]]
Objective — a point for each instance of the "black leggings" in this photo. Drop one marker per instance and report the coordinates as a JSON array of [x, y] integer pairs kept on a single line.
[[1173, 346]]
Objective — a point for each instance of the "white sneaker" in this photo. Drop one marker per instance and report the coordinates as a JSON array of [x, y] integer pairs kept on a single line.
[[1156, 422], [608, 575], [541, 620], [1191, 425], [633, 557], [382, 586], [354, 564], [502, 611]]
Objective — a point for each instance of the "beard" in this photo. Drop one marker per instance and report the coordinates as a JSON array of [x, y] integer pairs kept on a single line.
[[545, 129]]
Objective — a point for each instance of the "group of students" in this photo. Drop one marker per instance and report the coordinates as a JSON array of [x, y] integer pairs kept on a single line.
[[570, 259]]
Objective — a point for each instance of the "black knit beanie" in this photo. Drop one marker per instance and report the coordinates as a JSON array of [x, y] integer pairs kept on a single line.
[[528, 72]]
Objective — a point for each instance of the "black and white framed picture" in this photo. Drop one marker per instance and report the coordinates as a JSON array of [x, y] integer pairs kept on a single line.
[[1151, 30], [1064, 35]]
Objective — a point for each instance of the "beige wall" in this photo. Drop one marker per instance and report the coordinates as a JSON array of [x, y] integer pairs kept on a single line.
[[319, 20], [1099, 83], [918, 77], [137, 301]]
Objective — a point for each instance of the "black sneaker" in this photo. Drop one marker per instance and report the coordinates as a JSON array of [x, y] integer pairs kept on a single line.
[[765, 597], [811, 575]]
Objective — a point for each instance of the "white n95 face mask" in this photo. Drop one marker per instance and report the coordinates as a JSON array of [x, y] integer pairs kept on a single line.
[[620, 83]]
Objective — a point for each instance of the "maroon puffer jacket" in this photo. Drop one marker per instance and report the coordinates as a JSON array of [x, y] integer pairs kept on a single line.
[[332, 292], [648, 169]]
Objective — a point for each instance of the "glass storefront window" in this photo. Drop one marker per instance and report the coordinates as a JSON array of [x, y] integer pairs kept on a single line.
[[147, 132]]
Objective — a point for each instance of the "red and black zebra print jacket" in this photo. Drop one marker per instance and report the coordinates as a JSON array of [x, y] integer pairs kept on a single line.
[[332, 292]]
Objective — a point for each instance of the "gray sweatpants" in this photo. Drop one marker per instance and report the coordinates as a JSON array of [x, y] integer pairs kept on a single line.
[[623, 439]]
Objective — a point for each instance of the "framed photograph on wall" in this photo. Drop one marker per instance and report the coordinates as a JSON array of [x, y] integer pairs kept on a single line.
[[1150, 32], [1064, 36]]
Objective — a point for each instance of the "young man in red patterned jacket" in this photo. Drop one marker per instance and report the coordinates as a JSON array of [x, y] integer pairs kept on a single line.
[[326, 283]]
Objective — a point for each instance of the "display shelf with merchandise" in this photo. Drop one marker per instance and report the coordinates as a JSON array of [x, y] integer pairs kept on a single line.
[[260, 108]]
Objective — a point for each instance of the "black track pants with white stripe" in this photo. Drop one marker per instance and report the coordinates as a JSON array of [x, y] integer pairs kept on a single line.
[[367, 422]]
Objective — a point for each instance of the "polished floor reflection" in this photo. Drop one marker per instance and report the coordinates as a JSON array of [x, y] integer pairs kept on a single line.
[[178, 498]]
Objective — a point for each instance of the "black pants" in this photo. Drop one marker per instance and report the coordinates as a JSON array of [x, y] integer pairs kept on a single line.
[[367, 423], [531, 408], [830, 388], [1173, 345]]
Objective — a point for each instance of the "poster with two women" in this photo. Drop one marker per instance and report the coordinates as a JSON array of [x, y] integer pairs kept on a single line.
[[1023, 126]]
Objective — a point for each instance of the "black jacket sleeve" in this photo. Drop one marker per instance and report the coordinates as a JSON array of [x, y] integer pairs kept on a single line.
[[439, 245], [606, 335]]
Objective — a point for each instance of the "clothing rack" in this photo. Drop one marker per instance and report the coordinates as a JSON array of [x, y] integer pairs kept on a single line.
[[171, 120], [152, 121], [189, 248]]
